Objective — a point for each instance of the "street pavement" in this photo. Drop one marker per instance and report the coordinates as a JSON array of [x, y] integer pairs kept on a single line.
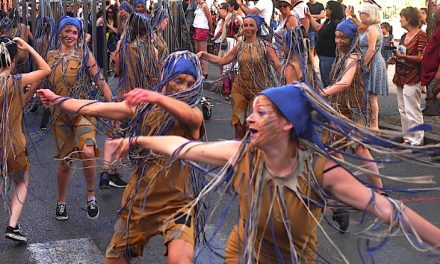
[[80, 240]]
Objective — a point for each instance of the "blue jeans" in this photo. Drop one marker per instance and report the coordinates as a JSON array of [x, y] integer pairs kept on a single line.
[[325, 67]]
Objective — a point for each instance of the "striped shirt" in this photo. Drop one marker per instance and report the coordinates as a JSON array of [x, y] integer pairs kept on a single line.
[[408, 72]]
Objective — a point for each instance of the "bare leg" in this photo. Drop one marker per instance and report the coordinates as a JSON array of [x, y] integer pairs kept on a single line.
[[372, 166], [89, 164], [374, 104], [18, 198], [180, 252], [239, 131], [107, 156], [62, 181]]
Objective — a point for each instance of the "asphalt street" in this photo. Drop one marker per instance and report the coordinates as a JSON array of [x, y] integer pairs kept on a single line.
[[80, 240]]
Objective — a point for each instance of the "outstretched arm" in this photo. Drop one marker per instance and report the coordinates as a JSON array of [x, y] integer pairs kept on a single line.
[[189, 117], [346, 80], [350, 191], [215, 153], [114, 111], [228, 58]]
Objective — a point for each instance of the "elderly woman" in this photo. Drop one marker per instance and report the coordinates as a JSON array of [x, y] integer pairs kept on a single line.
[[14, 163], [409, 55], [73, 70], [282, 174], [255, 58], [371, 44]]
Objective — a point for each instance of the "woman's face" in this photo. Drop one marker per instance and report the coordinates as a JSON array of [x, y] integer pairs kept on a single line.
[[364, 17], [265, 124], [69, 36], [342, 42], [284, 9], [163, 24], [404, 22], [249, 27], [424, 15], [328, 12], [180, 83], [123, 13], [109, 13], [141, 8]]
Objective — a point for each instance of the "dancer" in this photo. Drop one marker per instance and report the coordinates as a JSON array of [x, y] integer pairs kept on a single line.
[[348, 95], [73, 70], [137, 65], [159, 24], [255, 71], [14, 161], [298, 62], [283, 175], [159, 186]]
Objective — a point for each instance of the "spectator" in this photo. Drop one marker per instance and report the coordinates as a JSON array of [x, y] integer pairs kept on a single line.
[[409, 54], [343, 6], [318, 12], [202, 29], [424, 14], [431, 63], [287, 20], [326, 46], [371, 43], [299, 11], [387, 45], [263, 8]]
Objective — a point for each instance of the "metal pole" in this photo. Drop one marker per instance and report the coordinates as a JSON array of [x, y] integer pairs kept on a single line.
[[34, 16], [86, 15], [93, 18], [104, 55]]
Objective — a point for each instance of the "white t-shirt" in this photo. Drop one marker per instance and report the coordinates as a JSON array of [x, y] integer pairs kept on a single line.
[[266, 9], [299, 10]]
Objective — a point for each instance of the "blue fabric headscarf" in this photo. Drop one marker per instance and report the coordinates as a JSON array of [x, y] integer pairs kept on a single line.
[[69, 21], [295, 107], [126, 6], [179, 63], [137, 2], [257, 19], [349, 28], [159, 15]]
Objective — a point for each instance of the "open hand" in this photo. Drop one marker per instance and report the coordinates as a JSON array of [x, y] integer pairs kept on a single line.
[[120, 147]]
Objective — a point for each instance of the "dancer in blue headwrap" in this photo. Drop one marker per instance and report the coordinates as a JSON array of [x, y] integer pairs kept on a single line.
[[140, 6], [256, 60], [348, 94], [74, 73], [159, 186], [160, 23], [283, 175]]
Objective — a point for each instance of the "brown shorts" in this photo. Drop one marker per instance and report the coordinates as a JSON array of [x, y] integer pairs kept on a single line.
[[130, 239], [18, 165], [72, 133]]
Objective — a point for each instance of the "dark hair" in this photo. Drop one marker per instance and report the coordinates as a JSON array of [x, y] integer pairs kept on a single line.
[[114, 15], [138, 25], [234, 4], [388, 27], [223, 6], [413, 16], [12, 50], [337, 11], [424, 9]]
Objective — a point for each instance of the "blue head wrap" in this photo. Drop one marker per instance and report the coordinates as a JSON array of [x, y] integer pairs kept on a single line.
[[126, 6], [257, 19], [295, 107], [159, 15], [176, 65], [137, 2], [349, 28], [69, 21]]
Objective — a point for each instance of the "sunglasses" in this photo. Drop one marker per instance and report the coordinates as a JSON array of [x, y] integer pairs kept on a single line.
[[283, 6]]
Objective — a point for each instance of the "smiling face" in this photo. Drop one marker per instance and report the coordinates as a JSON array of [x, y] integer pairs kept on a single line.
[[180, 83], [249, 27], [141, 8], [266, 125], [69, 36], [404, 22]]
